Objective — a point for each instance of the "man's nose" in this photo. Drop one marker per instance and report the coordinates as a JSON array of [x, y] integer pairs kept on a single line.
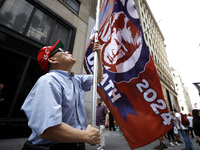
[[67, 52]]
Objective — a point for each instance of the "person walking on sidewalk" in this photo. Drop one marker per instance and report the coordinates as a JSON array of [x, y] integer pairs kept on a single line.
[[190, 127], [196, 124], [111, 122], [101, 119], [170, 134], [176, 132], [162, 145], [101, 113], [183, 131], [1, 92]]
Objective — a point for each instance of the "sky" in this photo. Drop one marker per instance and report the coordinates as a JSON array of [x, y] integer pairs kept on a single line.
[[179, 22]]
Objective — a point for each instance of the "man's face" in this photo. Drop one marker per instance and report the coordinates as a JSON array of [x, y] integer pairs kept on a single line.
[[113, 49], [64, 58], [99, 102], [122, 41]]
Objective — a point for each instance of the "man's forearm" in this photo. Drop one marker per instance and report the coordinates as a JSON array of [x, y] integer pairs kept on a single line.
[[64, 133]]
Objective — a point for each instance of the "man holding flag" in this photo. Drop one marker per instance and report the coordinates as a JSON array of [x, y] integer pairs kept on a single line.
[[54, 106], [130, 88]]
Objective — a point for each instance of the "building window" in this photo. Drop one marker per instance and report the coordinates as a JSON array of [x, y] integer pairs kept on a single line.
[[150, 41], [182, 108], [141, 4], [73, 5], [14, 14], [32, 22], [146, 37], [144, 25], [152, 54], [40, 27]]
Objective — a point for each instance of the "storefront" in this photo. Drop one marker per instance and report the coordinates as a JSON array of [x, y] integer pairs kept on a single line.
[[25, 27]]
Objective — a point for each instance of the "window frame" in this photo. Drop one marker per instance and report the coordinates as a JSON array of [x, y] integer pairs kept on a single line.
[[22, 36], [70, 7], [57, 18]]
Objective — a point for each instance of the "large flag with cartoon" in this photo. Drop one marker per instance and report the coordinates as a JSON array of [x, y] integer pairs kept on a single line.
[[131, 87]]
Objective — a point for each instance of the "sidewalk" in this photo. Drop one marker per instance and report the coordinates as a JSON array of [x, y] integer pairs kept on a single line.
[[116, 141], [113, 139]]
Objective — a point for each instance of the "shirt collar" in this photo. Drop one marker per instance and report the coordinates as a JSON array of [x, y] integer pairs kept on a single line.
[[64, 73]]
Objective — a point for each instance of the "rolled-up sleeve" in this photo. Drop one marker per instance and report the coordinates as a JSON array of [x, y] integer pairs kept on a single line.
[[43, 106], [86, 81]]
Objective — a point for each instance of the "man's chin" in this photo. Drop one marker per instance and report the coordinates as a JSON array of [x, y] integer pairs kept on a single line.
[[74, 61]]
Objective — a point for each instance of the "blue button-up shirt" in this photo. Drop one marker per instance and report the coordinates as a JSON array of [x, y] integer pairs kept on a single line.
[[55, 98]]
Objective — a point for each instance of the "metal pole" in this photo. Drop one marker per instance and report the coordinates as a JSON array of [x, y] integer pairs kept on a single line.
[[94, 99]]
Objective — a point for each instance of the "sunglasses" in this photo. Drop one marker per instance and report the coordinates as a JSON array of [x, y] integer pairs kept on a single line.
[[55, 51]]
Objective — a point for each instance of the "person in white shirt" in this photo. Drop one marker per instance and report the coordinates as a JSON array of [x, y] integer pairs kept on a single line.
[[183, 131], [190, 127], [175, 130]]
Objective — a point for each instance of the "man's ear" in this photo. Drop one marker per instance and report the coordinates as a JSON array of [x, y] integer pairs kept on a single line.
[[52, 61]]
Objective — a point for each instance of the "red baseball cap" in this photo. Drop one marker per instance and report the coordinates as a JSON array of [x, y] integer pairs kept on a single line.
[[44, 53]]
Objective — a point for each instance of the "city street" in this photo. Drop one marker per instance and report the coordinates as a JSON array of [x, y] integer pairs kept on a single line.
[[114, 141]]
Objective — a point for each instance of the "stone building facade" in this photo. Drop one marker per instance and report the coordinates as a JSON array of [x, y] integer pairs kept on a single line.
[[155, 41]]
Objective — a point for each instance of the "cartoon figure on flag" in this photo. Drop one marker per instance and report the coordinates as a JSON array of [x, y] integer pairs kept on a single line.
[[131, 87]]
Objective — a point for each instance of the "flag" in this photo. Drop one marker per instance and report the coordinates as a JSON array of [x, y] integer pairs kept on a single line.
[[130, 87], [197, 84], [195, 105]]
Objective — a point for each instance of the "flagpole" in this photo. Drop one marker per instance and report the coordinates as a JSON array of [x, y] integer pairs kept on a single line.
[[94, 99]]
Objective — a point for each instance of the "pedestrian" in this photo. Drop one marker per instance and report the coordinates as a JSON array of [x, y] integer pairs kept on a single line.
[[183, 131], [162, 145], [101, 113], [170, 134], [176, 133], [101, 119], [196, 124], [54, 106], [1, 92], [111, 122], [190, 127]]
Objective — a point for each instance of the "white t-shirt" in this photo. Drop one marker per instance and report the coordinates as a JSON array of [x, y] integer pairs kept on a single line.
[[190, 118], [178, 115]]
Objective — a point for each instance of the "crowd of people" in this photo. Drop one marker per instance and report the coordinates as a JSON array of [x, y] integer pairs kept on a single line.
[[178, 135], [182, 134]]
